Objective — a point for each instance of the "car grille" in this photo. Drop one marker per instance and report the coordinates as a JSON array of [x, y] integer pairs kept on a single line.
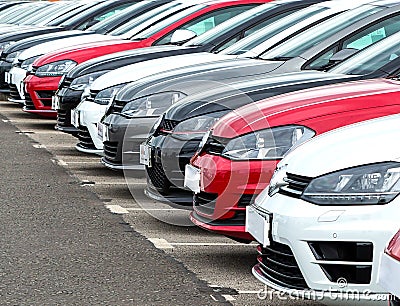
[[296, 185], [157, 176], [117, 107], [66, 82], [14, 94], [92, 95], [85, 140], [28, 101], [168, 125], [278, 264], [110, 149], [64, 118], [335, 253], [45, 96], [204, 202], [215, 145]]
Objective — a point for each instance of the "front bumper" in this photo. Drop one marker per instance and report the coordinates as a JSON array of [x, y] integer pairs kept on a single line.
[[4, 67], [227, 187], [319, 238], [124, 136], [16, 87], [38, 95], [90, 114], [166, 177], [68, 100]]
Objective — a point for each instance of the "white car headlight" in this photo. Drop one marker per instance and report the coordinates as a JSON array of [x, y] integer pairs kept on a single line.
[[12, 56], [55, 69], [105, 96], [153, 105], [364, 185], [268, 144], [26, 64], [81, 83], [277, 180]]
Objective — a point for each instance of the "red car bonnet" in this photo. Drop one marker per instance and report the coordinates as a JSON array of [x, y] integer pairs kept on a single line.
[[303, 105]]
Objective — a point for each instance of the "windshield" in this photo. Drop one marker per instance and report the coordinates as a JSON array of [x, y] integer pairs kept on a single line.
[[44, 12], [372, 58], [147, 19], [228, 25], [313, 36], [102, 26], [14, 11], [272, 29], [167, 22]]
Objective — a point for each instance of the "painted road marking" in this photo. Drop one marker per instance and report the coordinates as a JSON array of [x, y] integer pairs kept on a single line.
[[116, 209], [160, 243]]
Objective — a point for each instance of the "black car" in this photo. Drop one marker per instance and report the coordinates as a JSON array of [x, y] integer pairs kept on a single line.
[[175, 150], [213, 41], [91, 14]]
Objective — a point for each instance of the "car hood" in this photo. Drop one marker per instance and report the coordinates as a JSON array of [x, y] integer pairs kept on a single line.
[[295, 107], [141, 70], [367, 142], [124, 58], [37, 39], [59, 44], [205, 98]]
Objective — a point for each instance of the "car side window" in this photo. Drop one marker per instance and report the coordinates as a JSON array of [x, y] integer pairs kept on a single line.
[[208, 21], [359, 40], [228, 43], [104, 15]]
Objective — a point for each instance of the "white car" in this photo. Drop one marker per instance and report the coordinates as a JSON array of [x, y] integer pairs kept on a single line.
[[158, 68], [329, 211], [389, 272]]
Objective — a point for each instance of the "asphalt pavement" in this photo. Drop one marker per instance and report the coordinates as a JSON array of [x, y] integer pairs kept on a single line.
[[59, 245]]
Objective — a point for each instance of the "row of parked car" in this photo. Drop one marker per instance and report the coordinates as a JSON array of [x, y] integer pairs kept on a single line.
[[273, 121]]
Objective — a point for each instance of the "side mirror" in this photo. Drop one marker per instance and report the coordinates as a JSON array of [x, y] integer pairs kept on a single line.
[[342, 55], [182, 36]]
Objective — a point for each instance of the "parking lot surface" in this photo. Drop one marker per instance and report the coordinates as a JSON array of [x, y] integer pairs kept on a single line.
[[74, 234]]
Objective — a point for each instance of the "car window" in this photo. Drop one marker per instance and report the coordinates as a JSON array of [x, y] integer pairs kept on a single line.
[[360, 40], [102, 16], [272, 27], [208, 21], [315, 35], [372, 58], [231, 41]]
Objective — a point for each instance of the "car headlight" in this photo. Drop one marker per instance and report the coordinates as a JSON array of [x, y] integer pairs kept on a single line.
[[55, 69], [12, 56], [26, 64], [83, 82], [196, 127], [268, 144], [153, 105], [363, 185], [5, 45], [105, 96]]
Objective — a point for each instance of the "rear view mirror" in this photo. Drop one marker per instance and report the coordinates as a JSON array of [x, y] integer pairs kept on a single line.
[[342, 55], [182, 36]]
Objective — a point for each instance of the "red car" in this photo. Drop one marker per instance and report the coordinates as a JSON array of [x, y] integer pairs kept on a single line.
[[198, 18], [389, 272], [237, 161]]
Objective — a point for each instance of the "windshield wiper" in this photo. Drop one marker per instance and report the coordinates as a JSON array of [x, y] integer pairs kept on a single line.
[[278, 58]]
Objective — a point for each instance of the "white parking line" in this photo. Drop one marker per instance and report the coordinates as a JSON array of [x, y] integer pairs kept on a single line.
[[39, 146], [153, 209], [160, 243], [116, 209], [210, 244]]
